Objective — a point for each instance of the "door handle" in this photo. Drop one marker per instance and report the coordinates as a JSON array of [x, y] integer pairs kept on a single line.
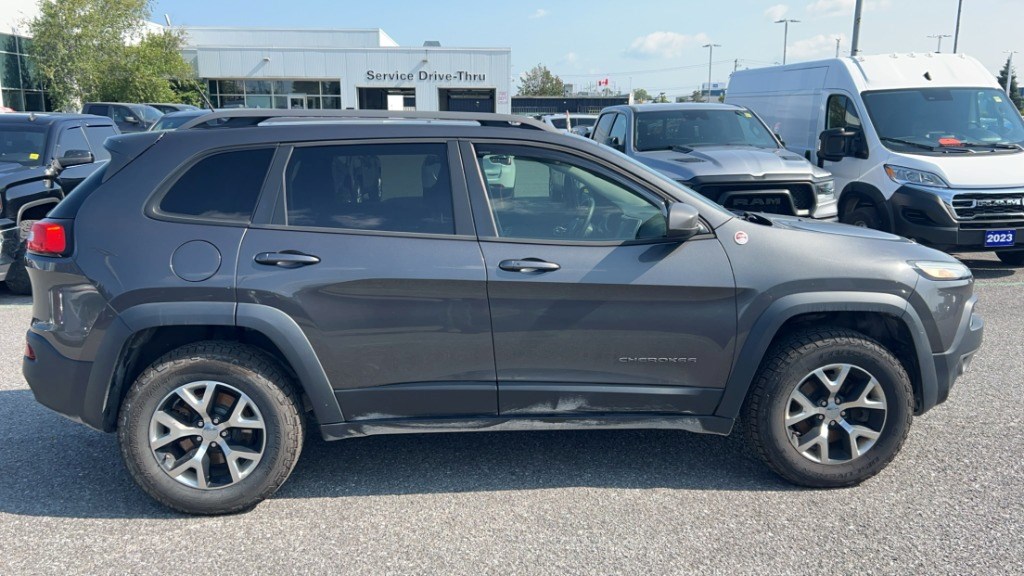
[[286, 259], [527, 265]]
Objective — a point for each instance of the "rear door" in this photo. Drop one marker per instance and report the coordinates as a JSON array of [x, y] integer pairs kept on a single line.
[[593, 311], [370, 248]]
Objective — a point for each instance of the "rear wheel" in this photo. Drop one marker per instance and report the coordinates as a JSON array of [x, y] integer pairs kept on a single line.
[[211, 428], [829, 408], [1015, 258], [17, 279]]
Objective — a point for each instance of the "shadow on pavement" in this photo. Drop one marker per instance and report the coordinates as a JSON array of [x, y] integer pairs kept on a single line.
[[53, 467], [988, 269]]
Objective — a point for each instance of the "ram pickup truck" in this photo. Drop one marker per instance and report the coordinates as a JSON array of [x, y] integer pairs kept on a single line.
[[42, 158], [724, 152]]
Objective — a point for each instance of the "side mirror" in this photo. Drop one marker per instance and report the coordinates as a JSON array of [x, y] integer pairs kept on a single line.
[[614, 142], [683, 221], [131, 119], [835, 144], [72, 158]]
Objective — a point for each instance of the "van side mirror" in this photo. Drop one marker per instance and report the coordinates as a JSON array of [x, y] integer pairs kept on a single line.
[[835, 144], [683, 221]]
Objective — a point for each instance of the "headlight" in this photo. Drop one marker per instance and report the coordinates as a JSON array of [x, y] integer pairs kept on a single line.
[[942, 270], [901, 175], [826, 190]]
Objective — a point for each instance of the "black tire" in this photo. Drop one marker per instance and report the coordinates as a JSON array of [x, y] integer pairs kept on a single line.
[[1015, 258], [242, 367], [17, 279], [785, 366], [865, 217]]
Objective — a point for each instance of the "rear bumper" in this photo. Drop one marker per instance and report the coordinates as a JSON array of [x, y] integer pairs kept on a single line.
[[56, 381], [924, 215]]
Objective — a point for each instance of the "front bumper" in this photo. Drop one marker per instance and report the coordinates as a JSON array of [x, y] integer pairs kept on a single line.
[[11, 248], [924, 215], [957, 359]]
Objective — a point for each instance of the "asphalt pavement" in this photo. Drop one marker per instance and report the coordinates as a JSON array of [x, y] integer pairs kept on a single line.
[[597, 502]]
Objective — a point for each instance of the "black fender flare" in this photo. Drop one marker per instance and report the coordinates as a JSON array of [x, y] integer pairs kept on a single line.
[[875, 195], [274, 324], [760, 337]]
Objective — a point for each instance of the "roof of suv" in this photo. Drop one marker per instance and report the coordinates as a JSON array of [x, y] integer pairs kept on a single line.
[[48, 118], [262, 117], [681, 106]]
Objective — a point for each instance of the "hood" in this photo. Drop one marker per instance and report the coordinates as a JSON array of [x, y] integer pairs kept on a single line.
[[725, 160], [1000, 169], [833, 228], [12, 172]]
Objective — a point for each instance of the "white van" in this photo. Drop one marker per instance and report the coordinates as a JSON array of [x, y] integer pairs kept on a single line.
[[924, 145]]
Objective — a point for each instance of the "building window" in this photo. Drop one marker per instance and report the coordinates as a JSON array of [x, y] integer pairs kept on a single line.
[[270, 93], [21, 84]]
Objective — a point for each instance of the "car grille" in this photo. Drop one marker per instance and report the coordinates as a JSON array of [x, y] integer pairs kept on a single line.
[[989, 206], [801, 192]]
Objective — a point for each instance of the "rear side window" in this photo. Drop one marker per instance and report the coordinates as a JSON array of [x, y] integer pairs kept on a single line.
[[223, 186], [99, 110], [383, 187]]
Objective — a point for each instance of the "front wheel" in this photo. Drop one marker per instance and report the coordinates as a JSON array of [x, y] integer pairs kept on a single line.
[[1015, 258], [829, 408], [211, 428], [865, 217]]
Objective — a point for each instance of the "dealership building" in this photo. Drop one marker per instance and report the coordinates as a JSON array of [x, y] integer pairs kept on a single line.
[[337, 69]]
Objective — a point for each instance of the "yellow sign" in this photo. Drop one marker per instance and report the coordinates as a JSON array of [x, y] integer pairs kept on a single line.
[[33, 156]]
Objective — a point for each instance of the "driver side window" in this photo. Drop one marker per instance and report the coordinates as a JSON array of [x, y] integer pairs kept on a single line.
[[841, 113], [544, 195]]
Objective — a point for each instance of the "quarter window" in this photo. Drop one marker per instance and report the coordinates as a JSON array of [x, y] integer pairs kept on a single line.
[[541, 195], [382, 187], [841, 113], [224, 186]]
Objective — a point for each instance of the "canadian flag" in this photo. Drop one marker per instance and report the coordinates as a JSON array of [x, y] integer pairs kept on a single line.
[[602, 82]]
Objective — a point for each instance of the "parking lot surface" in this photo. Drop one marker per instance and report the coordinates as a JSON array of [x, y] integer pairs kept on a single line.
[[607, 502]]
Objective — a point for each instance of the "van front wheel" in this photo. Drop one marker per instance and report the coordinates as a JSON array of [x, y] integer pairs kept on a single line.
[[865, 217]]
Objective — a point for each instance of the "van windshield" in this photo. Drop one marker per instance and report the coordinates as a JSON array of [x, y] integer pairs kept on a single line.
[[945, 120], [665, 130]]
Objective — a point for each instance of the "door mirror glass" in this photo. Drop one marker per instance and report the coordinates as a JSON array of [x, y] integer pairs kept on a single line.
[[683, 221], [835, 144]]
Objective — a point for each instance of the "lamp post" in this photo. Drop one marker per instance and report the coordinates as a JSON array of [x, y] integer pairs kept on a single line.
[[837, 46], [785, 35], [855, 42], [938, 50], [956, 35], [711, 50], [1009, 70]]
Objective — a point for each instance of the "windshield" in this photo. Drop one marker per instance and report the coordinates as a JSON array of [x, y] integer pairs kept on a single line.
[[945, 119], [22, 145], [560, 123], [172, 121], [691, 128]]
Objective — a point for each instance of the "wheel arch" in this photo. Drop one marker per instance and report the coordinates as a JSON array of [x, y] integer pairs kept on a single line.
[[148, 331], [884, 317], [857, 194]]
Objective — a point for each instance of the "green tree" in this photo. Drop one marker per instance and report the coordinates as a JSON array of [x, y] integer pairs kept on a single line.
[[697, 96], [98, 50], [1014, 91], [662, 98], [641, 95], [539, 81]]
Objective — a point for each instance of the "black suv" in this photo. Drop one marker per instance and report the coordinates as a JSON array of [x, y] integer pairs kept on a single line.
[[42, 157], [215, 290], [128, 117]]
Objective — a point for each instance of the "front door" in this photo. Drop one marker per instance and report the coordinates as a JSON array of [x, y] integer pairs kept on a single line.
[[365, 254], [593, 311], [297, 101]]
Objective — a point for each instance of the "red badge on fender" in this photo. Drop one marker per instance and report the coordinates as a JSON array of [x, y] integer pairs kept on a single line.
[[741, 238]]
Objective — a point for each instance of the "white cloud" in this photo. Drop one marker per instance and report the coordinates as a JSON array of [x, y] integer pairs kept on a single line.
[[815, 47], [830, 8], [776, 12], [663, 44], [540, 13], [571, 58]]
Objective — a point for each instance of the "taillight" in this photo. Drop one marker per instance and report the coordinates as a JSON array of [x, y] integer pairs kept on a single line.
[[47, 238]]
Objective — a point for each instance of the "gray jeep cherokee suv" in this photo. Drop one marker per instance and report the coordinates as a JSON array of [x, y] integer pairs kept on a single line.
[[215, 290]]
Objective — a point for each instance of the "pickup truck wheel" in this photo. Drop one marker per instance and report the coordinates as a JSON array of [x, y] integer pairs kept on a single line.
[[17, 279], [829, 408], [1015, 258], [865, 217], [211, 428]]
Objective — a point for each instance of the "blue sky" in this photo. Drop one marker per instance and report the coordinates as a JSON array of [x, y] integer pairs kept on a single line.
[[641, 43]]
